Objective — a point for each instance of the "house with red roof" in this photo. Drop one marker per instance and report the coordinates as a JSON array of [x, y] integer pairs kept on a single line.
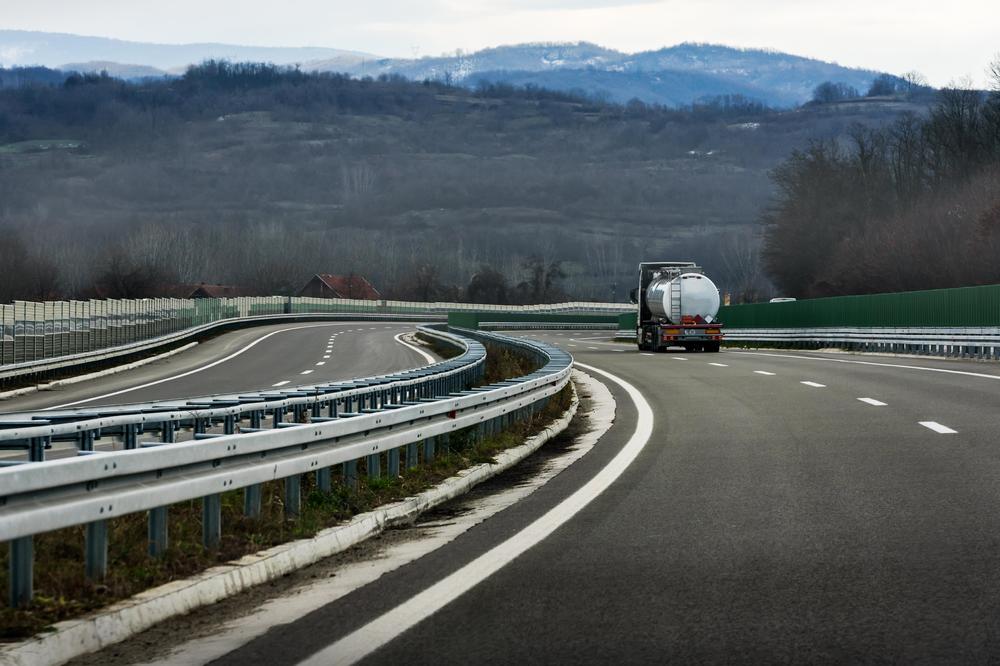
[[324, 285]]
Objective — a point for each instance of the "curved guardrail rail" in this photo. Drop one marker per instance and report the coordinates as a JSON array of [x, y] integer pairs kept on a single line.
[[49, 364], [401, 414], [38, 338], [34, 432]]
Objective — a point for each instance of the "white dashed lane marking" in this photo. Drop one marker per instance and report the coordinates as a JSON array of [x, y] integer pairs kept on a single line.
[[814, 384], [719, 365], [281, 383], [764, 372], [678, 358], [321, 363], [306, 372], [873, 402], [937, 427]]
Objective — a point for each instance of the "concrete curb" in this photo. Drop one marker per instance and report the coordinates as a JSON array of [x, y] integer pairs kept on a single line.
[[73, 638], [94, 375]]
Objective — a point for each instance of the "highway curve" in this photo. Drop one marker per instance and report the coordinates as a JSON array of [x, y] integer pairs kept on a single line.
[[773, 516], [262, 357]]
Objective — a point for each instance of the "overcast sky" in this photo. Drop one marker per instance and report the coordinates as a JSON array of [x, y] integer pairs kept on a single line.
[[946, 41]]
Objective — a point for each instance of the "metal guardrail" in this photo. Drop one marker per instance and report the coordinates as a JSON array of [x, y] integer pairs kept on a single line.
[[962, 342], [34, 432], [41, 337], [536, 326], [43, 365], [384, 420]]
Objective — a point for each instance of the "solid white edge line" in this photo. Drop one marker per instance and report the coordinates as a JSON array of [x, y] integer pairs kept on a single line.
[[383, 629], [938, 428], [184, 374], [427, 357], [873, 402]]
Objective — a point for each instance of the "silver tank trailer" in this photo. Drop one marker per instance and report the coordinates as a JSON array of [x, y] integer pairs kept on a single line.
[[688, 294]]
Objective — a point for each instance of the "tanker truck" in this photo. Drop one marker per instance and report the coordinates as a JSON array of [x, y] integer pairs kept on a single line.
[[678, 306]]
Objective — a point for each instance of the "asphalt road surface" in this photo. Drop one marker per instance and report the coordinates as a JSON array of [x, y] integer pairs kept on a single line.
[[254, 359], [788, 507], [265, 357]]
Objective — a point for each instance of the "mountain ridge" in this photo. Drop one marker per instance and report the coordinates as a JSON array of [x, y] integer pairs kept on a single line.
[[674, 75]]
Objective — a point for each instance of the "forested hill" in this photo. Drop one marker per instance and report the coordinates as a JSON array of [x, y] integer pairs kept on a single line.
[[258, 176], [675, 75]]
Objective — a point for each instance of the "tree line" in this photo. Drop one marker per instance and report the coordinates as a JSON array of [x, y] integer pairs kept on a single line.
[[912, 205], [260, 176]]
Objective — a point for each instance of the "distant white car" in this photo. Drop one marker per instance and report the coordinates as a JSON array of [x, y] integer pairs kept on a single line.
[[781, 300]]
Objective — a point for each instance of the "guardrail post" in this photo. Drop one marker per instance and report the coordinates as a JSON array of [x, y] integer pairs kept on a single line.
[[251, 501], [130, 437], [278, 413], [428, 449], [229, 426], [393, 463], [324, 480], [86, 440], [200, 426], [374, 466], [167, 432], [96, 562], [350, 474], [21, 563], [293, 496], [255, 418], [211, 521], [411, 455], [158, 531], [36, 448]]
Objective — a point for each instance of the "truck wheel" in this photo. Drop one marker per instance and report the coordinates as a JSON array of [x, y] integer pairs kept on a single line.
[[712, 346]]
